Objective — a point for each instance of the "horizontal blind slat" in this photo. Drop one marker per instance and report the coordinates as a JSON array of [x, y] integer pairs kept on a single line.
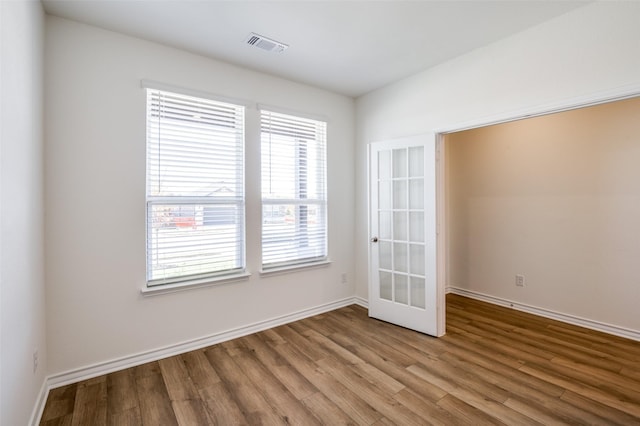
[[195, 155], [293, 189]]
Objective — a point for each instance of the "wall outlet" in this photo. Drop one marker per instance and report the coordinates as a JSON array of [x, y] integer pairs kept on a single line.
[[519, 280], [343, 278], [35, 361]]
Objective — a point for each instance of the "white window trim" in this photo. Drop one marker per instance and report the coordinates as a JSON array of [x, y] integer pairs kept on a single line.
[[150, 84], [290, 266], [193, 284], [280, 110], [158, 286], [279, 270]]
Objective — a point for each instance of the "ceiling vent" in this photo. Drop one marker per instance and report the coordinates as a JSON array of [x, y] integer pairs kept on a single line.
[[266, 43]]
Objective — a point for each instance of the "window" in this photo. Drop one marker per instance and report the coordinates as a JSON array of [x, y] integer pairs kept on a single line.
[[294, 196], [195, 188]]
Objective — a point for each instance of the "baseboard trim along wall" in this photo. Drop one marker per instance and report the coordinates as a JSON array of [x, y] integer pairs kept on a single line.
[[547, 313], [106, 367], [361, 301], [38, 409]]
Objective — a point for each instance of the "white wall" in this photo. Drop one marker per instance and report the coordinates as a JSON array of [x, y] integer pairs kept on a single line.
[[95, 191], [588, 52], [22, 304], [556, 198]]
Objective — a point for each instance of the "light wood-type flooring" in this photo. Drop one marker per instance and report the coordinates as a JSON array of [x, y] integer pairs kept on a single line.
[[494, 366]]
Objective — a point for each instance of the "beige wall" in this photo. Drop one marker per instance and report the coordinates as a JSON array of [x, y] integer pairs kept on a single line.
[[557, 199]]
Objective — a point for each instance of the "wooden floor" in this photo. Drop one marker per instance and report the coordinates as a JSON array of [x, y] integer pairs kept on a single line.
[[494, 366]]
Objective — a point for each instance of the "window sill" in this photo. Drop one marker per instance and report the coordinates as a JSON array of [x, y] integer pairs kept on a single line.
[[192, 284], [294, 268]]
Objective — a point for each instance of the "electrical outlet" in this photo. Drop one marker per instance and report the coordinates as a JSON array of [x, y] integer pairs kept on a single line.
[[519, 280], [343, 278], [35, 361]]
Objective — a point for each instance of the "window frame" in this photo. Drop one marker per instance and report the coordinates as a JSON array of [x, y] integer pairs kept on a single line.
[[302, 199], [237, 202]]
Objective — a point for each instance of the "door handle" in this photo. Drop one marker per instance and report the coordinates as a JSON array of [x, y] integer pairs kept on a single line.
[[374, 240]]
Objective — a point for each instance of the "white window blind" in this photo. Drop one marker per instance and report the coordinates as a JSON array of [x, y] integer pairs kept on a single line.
[[195, 188], [294, 195]]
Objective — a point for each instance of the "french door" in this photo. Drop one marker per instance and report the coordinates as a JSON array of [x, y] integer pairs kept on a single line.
[[402, 231]]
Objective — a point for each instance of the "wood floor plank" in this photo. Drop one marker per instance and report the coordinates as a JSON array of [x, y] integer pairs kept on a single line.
[[246, 395], [59, 421], [91, 403], [484, 364], [383, 403], [494, 366], [130, 417], [199, 370], [466, 414], [274, 392], [332, 348], [586, 390], [459, 378], [608, 414], [625, 386], [191, 412], [221, 406], [349, 402], [60, 403], [469, 342], [155, 404], [325, 410], [492, 407], [293, 334], [122, 399], [177, 381], [430, 412], [426, 390], [295, 382], [368, 339]]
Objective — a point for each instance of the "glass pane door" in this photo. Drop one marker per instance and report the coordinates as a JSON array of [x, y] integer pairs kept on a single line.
[[400, 216]]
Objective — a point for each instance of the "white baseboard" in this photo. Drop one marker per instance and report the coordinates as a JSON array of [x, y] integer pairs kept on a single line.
[[99, 369], [547, 313], [38, 408], [361, 301]]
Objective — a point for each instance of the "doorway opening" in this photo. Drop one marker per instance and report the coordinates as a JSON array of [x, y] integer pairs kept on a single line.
[[540, 213]]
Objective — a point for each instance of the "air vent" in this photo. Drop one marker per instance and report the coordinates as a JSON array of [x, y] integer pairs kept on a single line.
[[266, 43]]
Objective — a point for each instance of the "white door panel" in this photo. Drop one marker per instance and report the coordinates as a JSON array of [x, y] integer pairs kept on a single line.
[[402, 261]]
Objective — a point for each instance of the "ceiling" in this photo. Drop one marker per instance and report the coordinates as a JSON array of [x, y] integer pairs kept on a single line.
[[349, 47]]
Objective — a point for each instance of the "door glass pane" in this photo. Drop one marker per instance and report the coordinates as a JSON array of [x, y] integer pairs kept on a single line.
[[416, 161], [399, 194], [400, 226], [384, 224], [416, 227], [384, 195], [386, 286], [384, 165], [416, 194], [417, 292], [416, 259], [399, 163], [400, 260], [385, 255], [401, 289]]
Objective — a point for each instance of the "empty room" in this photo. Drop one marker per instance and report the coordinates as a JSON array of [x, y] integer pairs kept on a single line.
[[292, 212]]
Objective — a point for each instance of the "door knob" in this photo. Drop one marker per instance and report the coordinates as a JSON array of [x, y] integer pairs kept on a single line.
[[374, 240]]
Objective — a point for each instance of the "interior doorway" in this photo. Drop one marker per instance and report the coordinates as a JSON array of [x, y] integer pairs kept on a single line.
[[541, 210]]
